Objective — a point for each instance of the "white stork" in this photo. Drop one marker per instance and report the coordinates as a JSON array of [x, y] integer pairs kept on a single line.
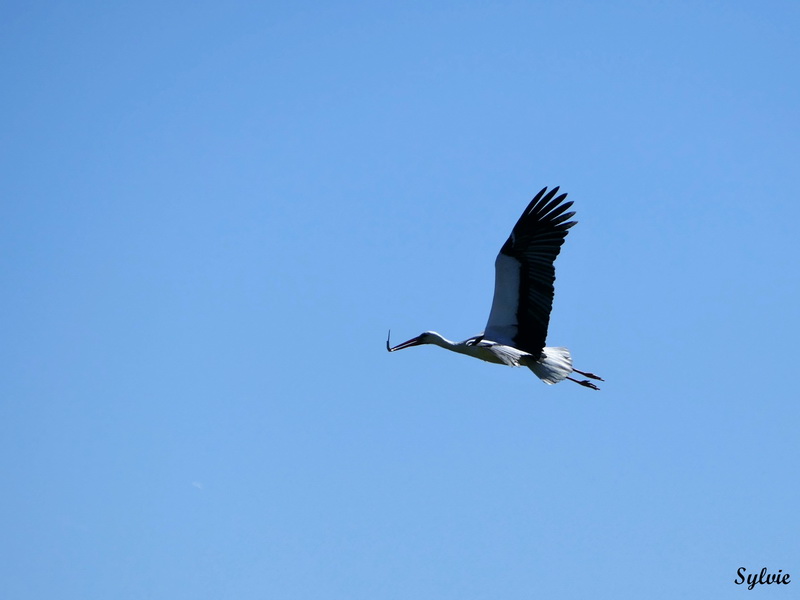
[[523, 297]]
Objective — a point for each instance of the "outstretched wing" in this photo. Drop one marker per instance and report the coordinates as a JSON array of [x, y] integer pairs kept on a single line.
[[524, 274]]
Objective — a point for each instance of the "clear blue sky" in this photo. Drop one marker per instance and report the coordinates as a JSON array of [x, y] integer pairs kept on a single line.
[[212, 212]]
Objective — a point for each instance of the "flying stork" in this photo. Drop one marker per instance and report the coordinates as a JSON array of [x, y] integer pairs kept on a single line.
[[523, 297]]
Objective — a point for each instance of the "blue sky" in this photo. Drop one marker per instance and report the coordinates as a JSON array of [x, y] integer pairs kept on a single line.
[[212, 213]]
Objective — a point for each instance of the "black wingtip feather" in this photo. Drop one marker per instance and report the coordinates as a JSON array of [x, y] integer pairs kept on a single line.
[[559, 210], [545, 200], [545, 212], [560, 219]]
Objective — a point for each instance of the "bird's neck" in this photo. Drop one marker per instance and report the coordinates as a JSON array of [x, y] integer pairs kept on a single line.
[[442, 341]]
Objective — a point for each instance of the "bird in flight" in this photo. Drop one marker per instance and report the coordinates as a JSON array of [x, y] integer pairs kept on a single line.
[[523, 297]]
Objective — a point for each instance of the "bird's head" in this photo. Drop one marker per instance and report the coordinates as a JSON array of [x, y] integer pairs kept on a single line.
[[427, 337]]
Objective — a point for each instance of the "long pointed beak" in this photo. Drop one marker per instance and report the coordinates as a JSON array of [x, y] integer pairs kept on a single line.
[[412, 342]]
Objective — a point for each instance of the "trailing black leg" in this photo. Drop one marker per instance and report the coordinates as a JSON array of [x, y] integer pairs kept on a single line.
[[589, 375], [585, 383]]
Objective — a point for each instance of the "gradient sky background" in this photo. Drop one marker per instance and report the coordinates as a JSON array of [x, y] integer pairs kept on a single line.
[[212, 213]]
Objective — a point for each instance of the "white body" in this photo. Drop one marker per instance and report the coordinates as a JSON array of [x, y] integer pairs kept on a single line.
[[554, 366]]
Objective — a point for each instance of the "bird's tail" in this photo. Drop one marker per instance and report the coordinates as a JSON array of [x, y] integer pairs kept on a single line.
[[554, 365]]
